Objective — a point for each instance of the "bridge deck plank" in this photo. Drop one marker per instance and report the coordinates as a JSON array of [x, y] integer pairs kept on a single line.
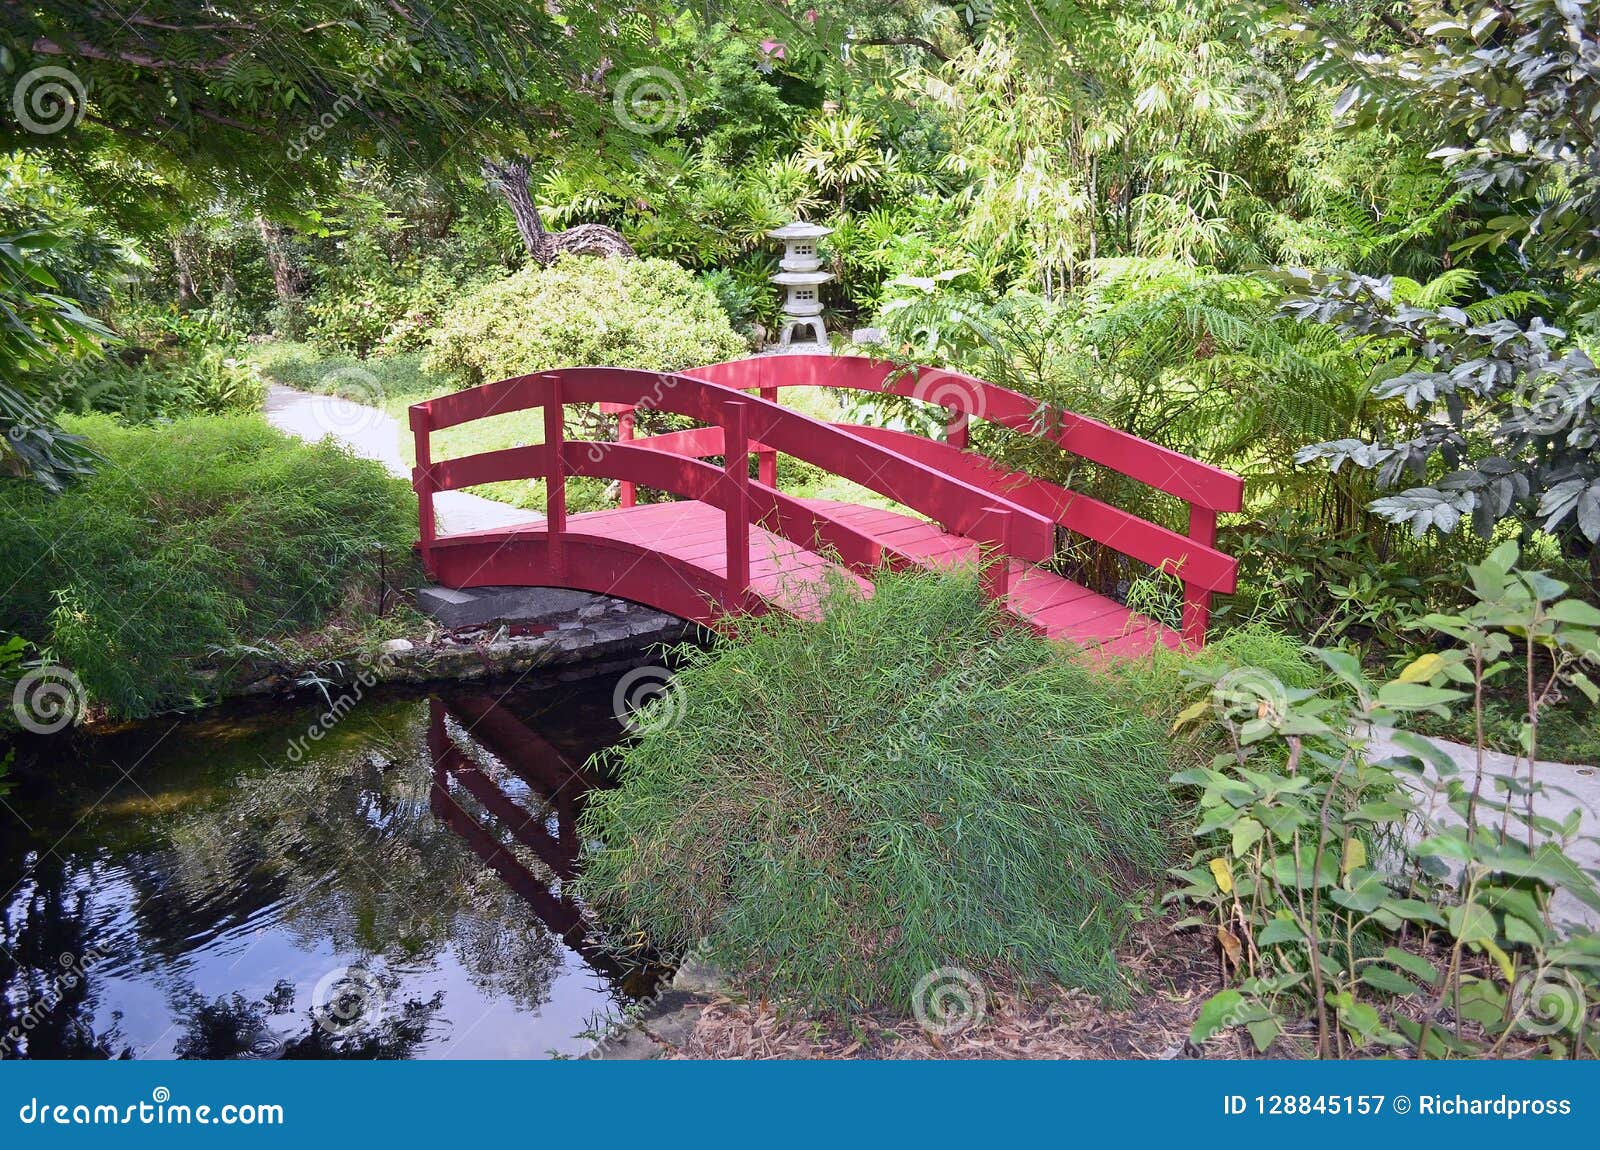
[[794, 579]]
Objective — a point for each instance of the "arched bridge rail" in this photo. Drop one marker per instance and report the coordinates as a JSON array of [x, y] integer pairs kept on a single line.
[[735, 543]]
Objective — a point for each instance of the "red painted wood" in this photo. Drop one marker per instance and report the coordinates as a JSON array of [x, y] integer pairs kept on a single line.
[[1199, 562], [626, 493], [424, 484], [528, 462], [925, 489], [672, 556], [517, 394], [996, 570], [766, 458], [1196, 594], [698, 559], [555, 483], [1150, 463], [695, 442], [736, 467]]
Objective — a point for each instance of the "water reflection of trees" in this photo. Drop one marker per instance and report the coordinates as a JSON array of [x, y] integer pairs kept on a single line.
[[344, 849], [51, 939], [356, 846]]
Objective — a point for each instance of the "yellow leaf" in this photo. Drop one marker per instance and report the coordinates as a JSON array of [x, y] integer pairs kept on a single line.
[[1355, 855], [1190, 713], [1231, 947], [1500, 957], [1223, 873], [1424, 669]]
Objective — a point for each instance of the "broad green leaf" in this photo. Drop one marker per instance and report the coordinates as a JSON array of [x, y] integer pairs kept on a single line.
[[1398, 696], [1279, 931], [1246, 833], [1188, 715], [1386, 980], [1470, 922], [1221, 1010]]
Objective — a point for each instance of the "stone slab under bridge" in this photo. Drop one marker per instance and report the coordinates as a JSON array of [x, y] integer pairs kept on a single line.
[[552, 608]]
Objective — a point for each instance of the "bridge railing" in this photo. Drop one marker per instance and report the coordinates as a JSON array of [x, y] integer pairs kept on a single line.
[[1207, 490], [741, 424]]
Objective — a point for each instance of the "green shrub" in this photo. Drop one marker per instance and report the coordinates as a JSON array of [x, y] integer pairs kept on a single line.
[[359, 311], [206, 533], [643, 313], [172, 364], [842, 807], [1372, 894], [211, 381]]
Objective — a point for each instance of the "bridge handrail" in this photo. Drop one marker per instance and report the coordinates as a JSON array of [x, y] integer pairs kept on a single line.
[[990, 519], [1194, 481], [1207, 490]]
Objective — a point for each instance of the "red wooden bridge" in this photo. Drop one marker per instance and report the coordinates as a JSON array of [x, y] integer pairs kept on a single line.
[[731, 544]]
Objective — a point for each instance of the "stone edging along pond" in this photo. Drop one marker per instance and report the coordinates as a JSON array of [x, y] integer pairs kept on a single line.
[[492, 632]]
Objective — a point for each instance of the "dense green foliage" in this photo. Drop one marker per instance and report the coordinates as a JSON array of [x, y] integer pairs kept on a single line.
[[842, 807], [1356, 874], [191, 540], [643, 313], [839, 808], [1345, 250]]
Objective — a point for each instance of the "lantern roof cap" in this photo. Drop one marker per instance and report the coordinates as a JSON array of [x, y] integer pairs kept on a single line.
[[801, 279], [799, 230]]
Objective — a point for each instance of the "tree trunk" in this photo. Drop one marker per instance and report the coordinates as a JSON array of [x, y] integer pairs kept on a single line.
[[288, 279], [188, 295], [510, 179]]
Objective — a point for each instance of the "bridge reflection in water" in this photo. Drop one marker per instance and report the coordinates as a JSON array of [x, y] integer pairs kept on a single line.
[[532, 793]]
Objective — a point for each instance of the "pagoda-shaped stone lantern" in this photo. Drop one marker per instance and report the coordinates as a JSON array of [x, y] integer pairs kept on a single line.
[[800, 274]]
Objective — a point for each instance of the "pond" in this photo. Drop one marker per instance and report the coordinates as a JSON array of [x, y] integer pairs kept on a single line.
[[230, 886]]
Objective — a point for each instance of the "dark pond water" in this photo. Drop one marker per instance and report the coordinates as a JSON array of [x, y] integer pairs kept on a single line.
[[226, 887]]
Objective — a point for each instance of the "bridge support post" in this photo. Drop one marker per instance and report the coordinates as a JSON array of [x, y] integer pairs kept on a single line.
[[767, 458], [736, 465], [995, 573], [555, 483], [1197, 599], [955, 427], [625, 491], [422, 483]]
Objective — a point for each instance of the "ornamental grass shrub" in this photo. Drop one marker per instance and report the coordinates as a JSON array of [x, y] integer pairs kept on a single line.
[[584, 311], [841, 807], [201, 534]]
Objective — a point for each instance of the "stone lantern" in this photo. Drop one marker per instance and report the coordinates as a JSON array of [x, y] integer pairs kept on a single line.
[[800, 275]]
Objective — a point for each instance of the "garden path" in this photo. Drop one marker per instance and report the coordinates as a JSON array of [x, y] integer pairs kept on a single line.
[[1572, 786], [373, 434]]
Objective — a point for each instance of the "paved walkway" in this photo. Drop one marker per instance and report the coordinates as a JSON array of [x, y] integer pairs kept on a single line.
[[373, 434], [1569, 787]]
